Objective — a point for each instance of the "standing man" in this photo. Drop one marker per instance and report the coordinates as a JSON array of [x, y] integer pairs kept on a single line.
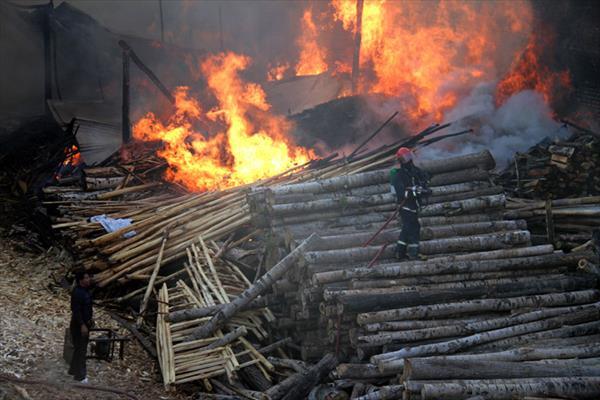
[[81, 323], [409, 183]]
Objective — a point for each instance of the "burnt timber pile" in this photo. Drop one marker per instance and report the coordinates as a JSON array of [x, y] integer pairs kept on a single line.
[[484, 297]]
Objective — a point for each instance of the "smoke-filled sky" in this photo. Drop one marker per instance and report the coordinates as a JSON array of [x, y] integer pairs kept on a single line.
[[260, 29]]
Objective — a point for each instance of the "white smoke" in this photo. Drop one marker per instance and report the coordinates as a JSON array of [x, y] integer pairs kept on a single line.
[[521, 122]]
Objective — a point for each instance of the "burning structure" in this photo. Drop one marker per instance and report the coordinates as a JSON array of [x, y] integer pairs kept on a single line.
[[234, 201]]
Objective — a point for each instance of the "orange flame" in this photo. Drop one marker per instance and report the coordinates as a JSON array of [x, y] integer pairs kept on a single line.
[[429, 51], [253, 146], [312, 57], [73, 157], [277, 72], [528, 72]]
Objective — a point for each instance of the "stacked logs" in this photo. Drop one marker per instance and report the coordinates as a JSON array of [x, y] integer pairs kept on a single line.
[[566, 223], [463, 214], [556, 170]]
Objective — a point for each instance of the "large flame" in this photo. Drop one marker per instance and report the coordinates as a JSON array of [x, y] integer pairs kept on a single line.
[[527, 72], [253, 145], [430, 51], [312, 57]]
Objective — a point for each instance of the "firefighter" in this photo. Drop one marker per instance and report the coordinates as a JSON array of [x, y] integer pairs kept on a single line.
[[409, 183]]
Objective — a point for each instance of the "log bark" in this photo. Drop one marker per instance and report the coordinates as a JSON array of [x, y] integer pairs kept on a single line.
[[461, 176], [425, 369], [349, 240], [460, 219], [481, 305], [228, 338], [402, 270], [475, 228], [463, 329], [483, 160], [378, 299], [258, 288], [484, 191], [334, 184], [359, 272], [576, 388], [585, 313], [546, 354], [463, 206], [359, 372], [345, 202], [435, 279], [390, 392], [492, 241], [299, 385]]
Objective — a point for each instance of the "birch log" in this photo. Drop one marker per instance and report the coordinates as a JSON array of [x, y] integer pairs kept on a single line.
[[481, 305], [425, 369], [573, 388]]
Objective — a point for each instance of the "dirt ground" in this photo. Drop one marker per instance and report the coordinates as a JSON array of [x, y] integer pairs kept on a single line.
[[34, 312]]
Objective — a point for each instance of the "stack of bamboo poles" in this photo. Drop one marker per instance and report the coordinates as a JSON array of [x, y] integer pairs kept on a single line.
[[566, 223], [213, 284], [129, 254]]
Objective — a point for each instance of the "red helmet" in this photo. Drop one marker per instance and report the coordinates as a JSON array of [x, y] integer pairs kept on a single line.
[[403, 152]]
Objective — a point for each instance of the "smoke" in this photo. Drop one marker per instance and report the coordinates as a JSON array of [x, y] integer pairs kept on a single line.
[[521, 122]]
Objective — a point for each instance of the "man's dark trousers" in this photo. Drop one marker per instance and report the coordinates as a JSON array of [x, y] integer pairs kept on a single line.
[[411, 229], [80, 343]]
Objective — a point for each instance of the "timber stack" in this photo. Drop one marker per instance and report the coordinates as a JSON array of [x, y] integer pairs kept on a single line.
[[484, 288], [553, 170], [566, 223]]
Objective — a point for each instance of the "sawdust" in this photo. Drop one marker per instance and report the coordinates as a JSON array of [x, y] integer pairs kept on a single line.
[[34, 312]]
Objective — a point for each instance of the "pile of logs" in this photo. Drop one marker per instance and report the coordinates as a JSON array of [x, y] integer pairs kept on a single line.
[[556, 170], [565, 223], [483, 288]]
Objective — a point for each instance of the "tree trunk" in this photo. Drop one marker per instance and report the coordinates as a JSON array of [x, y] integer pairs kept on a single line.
[[493, 241], [422, 368], [586, 313], [300, 384], [378, 299], [548, 354], [435, 279], [484, 191], [461, 219], [359, 371], [358, 272], [343, 182], [481, 305], [483, 160], [391, 392], [345, 202], [463, 206], [402, 270], [258, 288], [468, 328], [474, 228], [575, 388], [464, 175]]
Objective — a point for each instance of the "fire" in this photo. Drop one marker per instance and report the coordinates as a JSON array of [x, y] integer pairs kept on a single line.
[[312, 57], [72, 157], [252, 146], [527, 72], [430, 51], [277, 72]]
